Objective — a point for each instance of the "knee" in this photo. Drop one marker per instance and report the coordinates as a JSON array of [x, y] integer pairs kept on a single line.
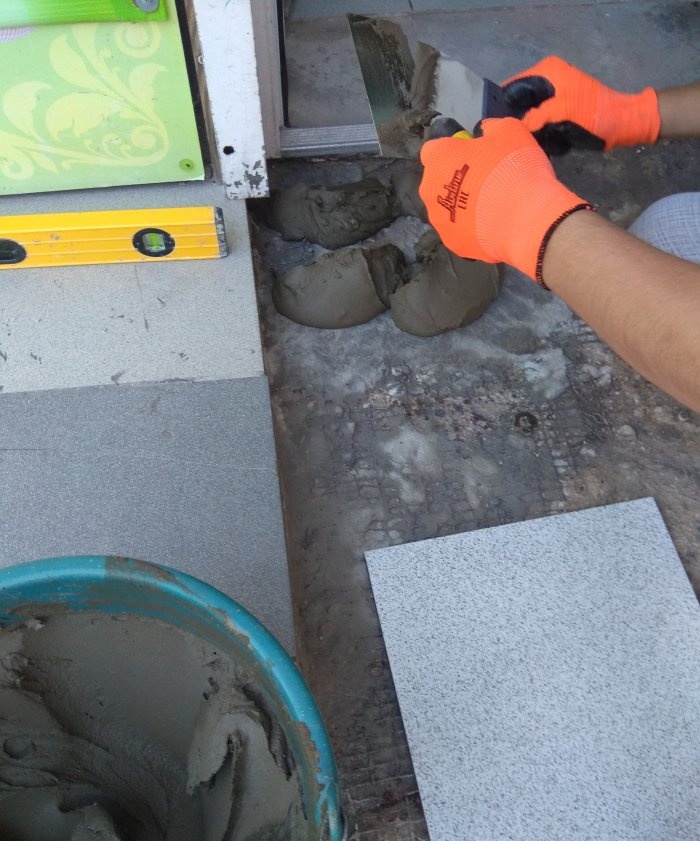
[[672, 224]]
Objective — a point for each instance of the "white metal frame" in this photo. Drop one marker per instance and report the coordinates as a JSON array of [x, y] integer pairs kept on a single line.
[[236, 52], [237, 57]]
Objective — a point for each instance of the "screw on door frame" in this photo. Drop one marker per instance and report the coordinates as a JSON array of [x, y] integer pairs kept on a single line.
[[147, 5]]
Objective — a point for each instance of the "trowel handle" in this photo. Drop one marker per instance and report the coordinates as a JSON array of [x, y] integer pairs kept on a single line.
[[446, 127]]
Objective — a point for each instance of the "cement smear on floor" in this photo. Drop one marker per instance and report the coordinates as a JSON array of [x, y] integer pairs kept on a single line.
[[127, 729]]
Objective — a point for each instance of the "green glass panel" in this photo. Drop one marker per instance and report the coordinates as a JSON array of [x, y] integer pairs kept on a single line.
[[95, 105], [33, 12]]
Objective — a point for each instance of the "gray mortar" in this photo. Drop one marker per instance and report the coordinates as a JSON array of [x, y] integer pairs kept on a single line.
[[453, 90], [340, 289], [332, 216], [438, 292], [440, 85], [127, 729], [444, 292], [405, 184]]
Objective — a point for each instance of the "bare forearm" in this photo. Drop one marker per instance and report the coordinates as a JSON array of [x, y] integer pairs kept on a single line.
[[645, 304], [680, 111]]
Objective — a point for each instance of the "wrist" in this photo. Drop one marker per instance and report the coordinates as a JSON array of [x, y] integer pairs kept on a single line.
[[561, 246], [633, 118], [534, 212], [539, 268], [679, 110]]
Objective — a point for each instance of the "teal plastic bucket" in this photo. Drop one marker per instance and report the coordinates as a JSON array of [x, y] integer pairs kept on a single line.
[[113, 590]]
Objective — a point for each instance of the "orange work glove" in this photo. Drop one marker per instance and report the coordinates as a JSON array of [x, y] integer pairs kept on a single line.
[[566, 108], [495, 198]]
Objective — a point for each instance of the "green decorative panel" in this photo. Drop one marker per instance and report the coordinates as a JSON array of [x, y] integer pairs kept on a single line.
[[32, 12], [95, 105]]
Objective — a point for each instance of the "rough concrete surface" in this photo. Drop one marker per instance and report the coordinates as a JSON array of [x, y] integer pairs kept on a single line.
[[385, 438]]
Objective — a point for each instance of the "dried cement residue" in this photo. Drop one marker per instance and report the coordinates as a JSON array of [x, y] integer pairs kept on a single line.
[[125, 729]]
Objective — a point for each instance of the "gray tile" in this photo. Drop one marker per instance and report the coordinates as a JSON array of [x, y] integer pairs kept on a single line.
[[134, 322], [467, 5], [547, 677], [180, 474], [619, 42], [306, 9], [325, 82]]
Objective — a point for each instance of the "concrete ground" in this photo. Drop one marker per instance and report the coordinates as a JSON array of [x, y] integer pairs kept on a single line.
[[385, 438]]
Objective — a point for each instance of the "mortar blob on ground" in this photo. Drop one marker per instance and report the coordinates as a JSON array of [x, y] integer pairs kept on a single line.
[[333, 217], [341, 289], [443, 291]]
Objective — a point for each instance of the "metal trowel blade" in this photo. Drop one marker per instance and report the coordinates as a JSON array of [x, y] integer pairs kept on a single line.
[[405, 94], [447, 87], [387, 68]]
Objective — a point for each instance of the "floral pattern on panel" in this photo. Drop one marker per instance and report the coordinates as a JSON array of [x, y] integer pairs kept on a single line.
[[96, 107]]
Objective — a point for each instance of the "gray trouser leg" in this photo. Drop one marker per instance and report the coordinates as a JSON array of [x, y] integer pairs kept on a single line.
[[672, 224]]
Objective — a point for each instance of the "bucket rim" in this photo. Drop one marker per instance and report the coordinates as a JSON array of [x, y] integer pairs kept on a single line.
[[82, 582]]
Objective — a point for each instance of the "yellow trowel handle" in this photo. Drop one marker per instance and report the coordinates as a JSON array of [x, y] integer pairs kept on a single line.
[[446, 127]]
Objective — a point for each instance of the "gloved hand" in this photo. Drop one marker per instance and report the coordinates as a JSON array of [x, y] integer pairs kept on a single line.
[[495, 198], [566, 108]]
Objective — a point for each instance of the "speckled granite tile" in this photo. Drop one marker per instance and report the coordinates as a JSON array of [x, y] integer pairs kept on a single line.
[[548, 678]]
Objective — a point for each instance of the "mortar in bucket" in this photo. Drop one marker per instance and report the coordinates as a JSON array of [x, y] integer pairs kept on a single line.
[[139, 704]]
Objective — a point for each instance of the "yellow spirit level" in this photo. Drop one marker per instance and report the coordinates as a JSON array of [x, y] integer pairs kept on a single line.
[[111, 236]]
